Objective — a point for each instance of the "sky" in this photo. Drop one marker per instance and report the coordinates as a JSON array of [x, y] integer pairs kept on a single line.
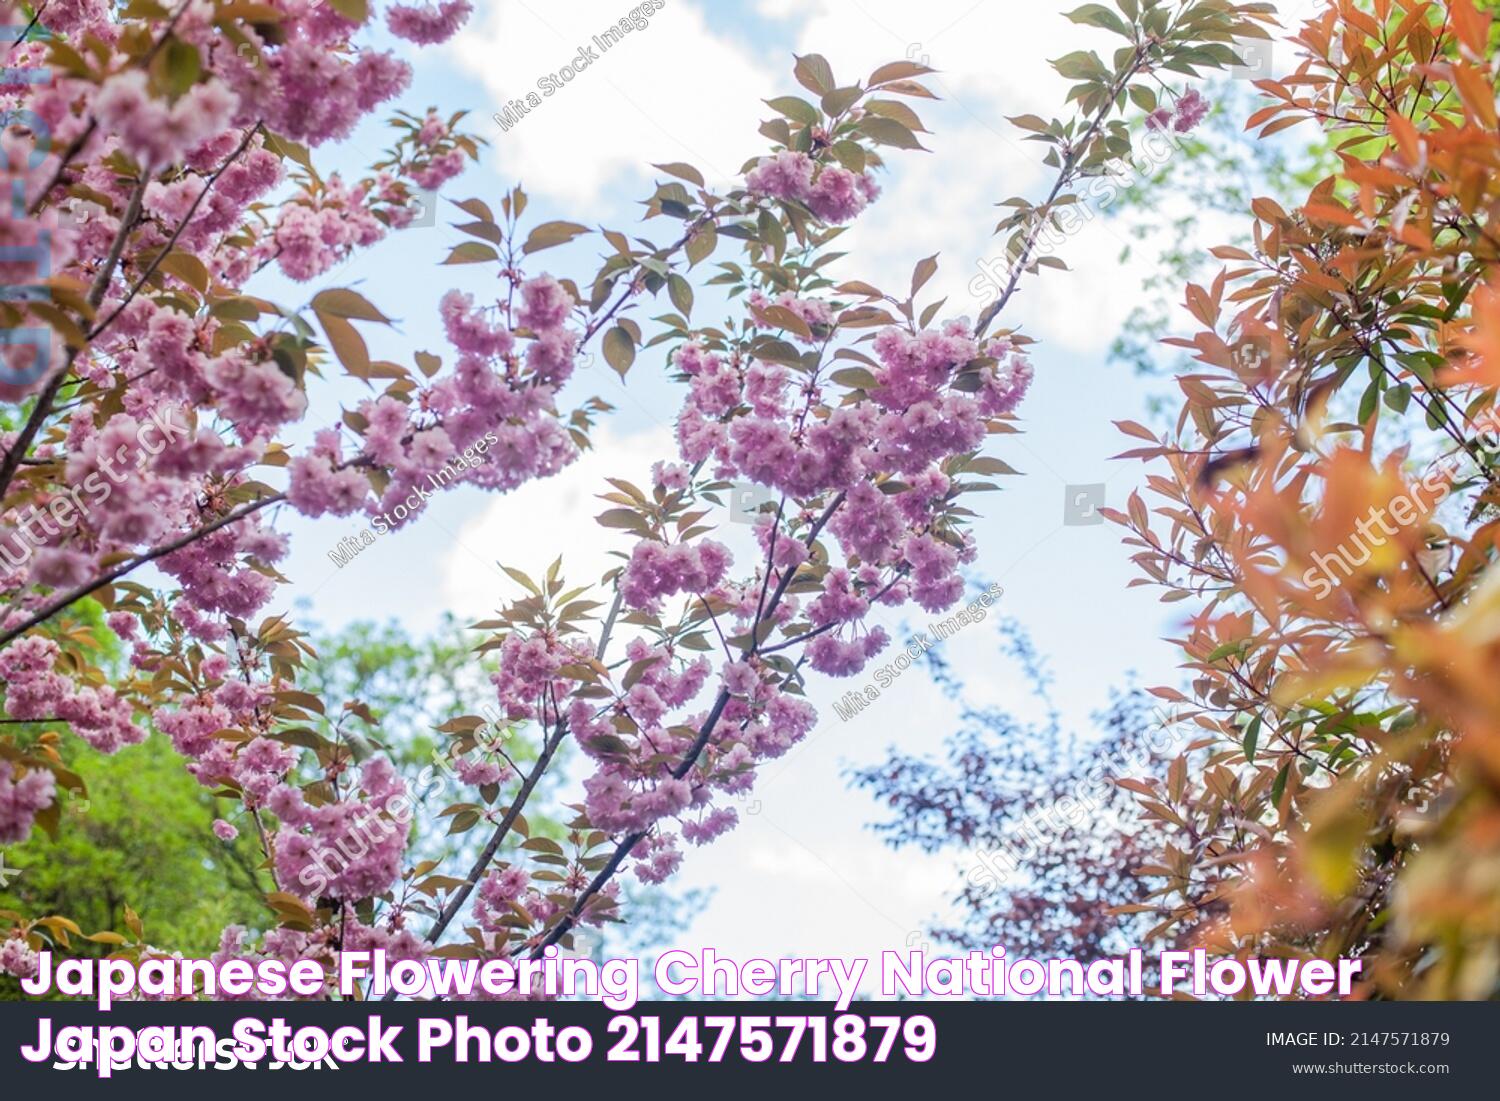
[[803, 875]]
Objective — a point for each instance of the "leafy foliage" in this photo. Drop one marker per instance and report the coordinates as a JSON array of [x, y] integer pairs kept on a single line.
[[1325, 507]]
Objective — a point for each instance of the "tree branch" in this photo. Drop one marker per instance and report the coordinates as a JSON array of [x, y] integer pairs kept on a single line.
[[88, 587]]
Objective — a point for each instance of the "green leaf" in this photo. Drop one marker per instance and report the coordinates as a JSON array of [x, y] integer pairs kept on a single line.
[[356, 11], [900, 112], [813, 73], [701, 244], [681, 293], [682, 172], [188, 268], [471, 252], [798, 110], [1223, 650], [347, 344], [342, 302], [477, 207], [1252, 737], [1080, 65], [1370, 401], [889, 132], [1097, 15], [1029, 122], [850, 154], [619, 350], [1279, 784], [840, 100], [623, 518], [549, 234], [897, 70], [924, 271], [176, 67]]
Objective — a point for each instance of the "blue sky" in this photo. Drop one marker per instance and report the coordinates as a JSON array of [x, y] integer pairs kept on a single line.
[[802, 875]]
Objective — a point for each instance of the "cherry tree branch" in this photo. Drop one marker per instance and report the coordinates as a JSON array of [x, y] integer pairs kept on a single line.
[[52, 607], [176, 233], [43, 407], [1065, 177], [507, 822], [689, 759]]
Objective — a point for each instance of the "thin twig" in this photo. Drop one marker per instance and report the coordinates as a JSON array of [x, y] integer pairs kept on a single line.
[[176, 233], [88, 587], [503, 828], [689, 759], [48, 394]]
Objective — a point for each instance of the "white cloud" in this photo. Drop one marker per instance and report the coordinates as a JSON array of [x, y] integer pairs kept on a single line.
[[677, 91], [528, 527], [965, 41], [943, 202]]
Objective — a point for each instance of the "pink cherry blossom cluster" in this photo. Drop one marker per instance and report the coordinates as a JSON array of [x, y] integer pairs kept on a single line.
[[529, 681], [508, 890], [658, 570], [441, 161], [495, 394], [207, 167], [350, 849], [256, 767], [151, 131], [36, 691], [21, 800], [18, 958], [221, 575], [313, 235], [428, 23], [1190, 109], [871, 465], [314, 85], [832, 192], [324, 227]]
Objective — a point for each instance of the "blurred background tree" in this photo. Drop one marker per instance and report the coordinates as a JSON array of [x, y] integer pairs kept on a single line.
[[1045, 840]]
